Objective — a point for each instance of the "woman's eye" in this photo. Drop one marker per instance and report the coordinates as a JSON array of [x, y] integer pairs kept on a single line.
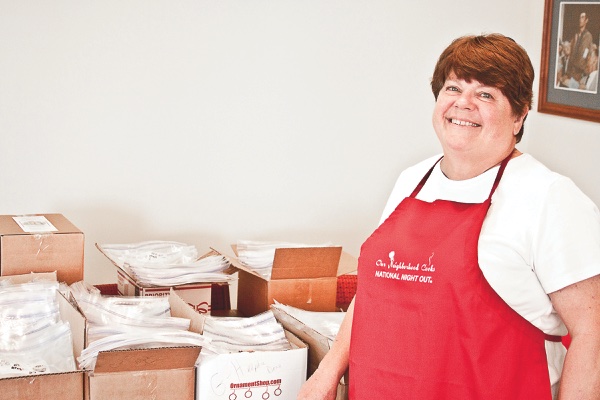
[[486, 95], [452, 88]]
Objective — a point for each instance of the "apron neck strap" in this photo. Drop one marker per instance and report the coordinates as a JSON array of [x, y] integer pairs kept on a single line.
[[494, 186]]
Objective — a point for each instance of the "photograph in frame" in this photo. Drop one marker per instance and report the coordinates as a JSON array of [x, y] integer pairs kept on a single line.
[[570, 63]]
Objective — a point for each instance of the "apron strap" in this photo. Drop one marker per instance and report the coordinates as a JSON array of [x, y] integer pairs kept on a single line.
[[494, 186], [424, 179], [552, 338], [500, 173]]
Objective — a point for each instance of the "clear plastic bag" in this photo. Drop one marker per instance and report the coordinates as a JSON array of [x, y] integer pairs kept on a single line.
[[49, 350], [259, 333], [153, 252]]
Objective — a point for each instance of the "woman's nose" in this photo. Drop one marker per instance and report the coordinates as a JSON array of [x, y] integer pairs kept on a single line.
[[464, 101]]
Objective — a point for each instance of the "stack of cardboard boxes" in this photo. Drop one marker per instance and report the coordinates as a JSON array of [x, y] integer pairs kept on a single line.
[[302, 277]]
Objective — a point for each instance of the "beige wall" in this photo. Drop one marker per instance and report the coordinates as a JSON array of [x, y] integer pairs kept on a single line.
[[212, 121]]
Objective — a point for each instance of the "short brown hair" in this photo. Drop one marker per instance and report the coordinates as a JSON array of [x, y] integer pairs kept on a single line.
[[494, 60]]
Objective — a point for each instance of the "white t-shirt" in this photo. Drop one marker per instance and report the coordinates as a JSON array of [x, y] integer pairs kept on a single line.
[[540, 235]]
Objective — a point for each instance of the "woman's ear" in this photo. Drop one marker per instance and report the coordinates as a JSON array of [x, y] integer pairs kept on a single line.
[[518, 124]]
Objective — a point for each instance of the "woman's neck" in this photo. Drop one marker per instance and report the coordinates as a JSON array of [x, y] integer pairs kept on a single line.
[[459, 169]]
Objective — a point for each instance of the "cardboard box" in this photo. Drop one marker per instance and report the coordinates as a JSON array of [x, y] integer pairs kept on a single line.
[[197, 295], [304, 278], [318, 346], [161, 373], [23, 250], [55, 386], [253, 375], [156, 373]]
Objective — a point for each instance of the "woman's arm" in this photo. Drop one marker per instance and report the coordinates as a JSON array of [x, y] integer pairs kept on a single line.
[[579, 307], [322, 385]]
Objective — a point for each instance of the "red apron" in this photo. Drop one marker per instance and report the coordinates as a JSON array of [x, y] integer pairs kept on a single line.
[[427, 324]]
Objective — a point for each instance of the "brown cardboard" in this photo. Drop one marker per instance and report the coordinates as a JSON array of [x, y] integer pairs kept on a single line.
[[318, 346], [56, 386], [305, 278], [65, 386], [155, 373], [162, 373], [61, 251]]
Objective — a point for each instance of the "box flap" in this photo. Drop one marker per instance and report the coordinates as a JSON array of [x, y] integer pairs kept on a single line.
[[8, 226], [181, 309], [146, 359], [348, 264], [70, 313], [305, 262]]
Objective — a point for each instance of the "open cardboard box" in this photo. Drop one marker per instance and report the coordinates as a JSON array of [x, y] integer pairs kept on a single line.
[[253, 374], [197, 295], [171, 373], [53, 386], [155, 373], [318, 346], [24, 251], [302, 277]]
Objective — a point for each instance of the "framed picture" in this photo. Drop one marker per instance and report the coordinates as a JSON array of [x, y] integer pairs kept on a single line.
[[569, 67]]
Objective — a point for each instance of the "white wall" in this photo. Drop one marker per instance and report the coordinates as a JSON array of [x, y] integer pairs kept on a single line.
[[212, 121]]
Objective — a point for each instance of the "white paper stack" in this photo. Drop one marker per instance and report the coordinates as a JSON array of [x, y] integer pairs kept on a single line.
[[130, 322], [259, 333], [259, 255], [33, 338], [166, 263]]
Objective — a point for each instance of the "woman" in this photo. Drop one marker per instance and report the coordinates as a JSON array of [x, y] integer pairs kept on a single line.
[[483, 260]]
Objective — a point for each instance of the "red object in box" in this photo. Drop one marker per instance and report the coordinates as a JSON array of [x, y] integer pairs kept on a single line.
[[346, 289], [219, 295]]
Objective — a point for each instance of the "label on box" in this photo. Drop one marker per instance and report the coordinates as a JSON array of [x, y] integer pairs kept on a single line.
[[35, 224], [252, 375]]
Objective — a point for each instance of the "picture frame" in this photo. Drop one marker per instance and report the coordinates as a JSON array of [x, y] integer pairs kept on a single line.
[[569, 65]]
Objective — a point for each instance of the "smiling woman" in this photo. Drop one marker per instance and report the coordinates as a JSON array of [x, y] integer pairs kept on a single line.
[[516, 250]]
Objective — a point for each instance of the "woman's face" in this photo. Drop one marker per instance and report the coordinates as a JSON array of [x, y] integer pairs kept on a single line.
[[474, 120]]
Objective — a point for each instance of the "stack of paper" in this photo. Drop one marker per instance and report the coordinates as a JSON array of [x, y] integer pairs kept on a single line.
[[164, 263], [130, 322], [259, 333], [33, 339], [259, 255]]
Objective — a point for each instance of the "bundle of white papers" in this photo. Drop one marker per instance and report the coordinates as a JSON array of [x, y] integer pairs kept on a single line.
[[166, 263], [33, 339], [130, 322], [259, 255], [325, 323], [259, 333], [153, 252], [207, 269]]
